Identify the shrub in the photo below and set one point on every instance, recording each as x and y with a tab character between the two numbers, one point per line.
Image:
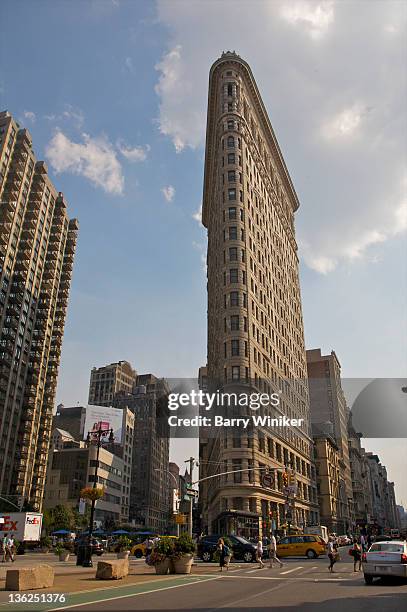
45	542
123	543
184	545
155	558
164	546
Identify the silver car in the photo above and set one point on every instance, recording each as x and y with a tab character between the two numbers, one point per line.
385	559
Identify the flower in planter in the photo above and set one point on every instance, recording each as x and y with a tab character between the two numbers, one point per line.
156	558
184	545
123	543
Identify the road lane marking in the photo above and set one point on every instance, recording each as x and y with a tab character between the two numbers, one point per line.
165	588
291	570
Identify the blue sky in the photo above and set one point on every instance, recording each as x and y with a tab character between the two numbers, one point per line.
114	94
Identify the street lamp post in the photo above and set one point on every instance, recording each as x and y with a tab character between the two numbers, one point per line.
95	435
176	484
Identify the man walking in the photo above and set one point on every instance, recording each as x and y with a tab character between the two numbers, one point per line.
273	552
10	547
3	547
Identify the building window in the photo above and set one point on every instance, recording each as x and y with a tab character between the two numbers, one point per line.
234	298
232	213
232	233
234	322
235	348
231	124
230	89
231	194
234	278
233	254
231	142
235	372
231	158
231	176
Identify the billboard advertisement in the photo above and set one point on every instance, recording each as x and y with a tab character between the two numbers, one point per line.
104	418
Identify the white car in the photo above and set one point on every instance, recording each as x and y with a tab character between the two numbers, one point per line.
385	559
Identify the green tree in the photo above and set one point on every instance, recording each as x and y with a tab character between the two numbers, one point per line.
60	517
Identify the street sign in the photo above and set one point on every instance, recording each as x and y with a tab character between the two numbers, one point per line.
191	492
181	519
267	480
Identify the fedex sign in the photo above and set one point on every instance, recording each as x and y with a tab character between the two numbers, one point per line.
25	526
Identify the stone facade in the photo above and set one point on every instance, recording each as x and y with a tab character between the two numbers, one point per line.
328	463
255	327
328	405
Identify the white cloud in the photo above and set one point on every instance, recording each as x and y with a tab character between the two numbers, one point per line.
201	247
168	193
346	122
75	115
70	114
94	158
198	215
314	17
133	154
30	116
319	98
128	63
175	84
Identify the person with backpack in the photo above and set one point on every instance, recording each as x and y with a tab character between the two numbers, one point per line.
224	554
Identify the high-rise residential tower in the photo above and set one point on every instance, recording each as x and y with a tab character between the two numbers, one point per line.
108	380
37	246
255	328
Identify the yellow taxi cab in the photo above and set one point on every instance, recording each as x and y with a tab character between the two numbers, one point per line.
139	550
304	545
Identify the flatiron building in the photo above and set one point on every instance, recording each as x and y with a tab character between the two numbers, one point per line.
255	326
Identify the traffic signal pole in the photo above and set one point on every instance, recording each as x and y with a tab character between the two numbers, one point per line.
191	462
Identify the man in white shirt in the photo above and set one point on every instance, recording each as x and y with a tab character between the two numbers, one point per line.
259	554
273	552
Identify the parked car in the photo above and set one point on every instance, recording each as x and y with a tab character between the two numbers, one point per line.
139	550
307	545
243	550
97	547
385	559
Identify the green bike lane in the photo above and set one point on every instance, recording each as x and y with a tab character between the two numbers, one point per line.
94	596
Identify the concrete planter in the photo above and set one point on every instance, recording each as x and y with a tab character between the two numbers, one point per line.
124	554
183	564
163	567
64	556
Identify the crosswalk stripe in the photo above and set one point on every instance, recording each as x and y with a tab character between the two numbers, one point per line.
294	569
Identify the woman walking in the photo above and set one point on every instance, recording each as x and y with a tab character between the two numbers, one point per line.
332	554
259	553
357	555
223	553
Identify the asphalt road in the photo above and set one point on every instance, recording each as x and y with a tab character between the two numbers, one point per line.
301	585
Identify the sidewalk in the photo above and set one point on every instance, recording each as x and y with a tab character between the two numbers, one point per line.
76	579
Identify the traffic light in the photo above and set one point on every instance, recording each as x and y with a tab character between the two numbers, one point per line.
285	478
291	479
